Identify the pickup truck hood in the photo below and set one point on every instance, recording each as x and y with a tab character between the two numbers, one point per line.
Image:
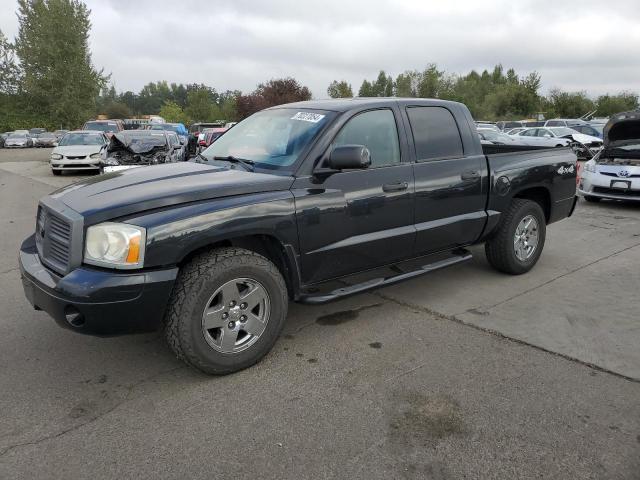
135	190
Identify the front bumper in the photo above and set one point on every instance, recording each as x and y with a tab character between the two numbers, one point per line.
606	186
96	301
75	164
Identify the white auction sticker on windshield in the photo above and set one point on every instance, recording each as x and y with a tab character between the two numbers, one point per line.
308	117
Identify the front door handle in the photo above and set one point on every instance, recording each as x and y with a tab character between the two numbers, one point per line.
395	187
470	175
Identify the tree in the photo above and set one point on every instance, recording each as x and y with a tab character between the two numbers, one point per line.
200	107
366	89
611	104
340	89
172	112
117	110
569	104
60	83
10	72
273	92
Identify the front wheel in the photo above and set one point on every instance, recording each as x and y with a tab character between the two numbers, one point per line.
56	172
226	311
591	199
518	243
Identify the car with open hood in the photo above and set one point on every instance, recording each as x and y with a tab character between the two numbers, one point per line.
78	150
614	173
139	148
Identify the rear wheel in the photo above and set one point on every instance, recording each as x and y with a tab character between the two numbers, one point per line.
226	311
589	198
518	243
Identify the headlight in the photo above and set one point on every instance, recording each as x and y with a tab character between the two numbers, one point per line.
56	156
111	161
95	155
590	167
115	245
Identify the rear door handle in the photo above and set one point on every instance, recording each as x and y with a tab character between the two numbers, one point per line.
470	175
395	187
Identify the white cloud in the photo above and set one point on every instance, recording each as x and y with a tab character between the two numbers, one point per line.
576	45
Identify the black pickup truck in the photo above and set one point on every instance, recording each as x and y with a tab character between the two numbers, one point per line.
290	204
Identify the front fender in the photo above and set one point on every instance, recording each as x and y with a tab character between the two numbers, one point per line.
174	233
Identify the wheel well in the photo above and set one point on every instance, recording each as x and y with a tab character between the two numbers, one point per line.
265	245
541	196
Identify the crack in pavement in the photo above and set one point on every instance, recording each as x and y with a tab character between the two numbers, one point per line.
561	276
496	333
91	420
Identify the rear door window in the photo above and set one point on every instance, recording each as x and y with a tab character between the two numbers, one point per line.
435	133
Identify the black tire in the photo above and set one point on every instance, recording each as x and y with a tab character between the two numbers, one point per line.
500	250
589	198
196	282
56	172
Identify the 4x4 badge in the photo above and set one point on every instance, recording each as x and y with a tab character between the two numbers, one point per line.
563	170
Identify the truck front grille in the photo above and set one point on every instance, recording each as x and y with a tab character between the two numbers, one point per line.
54	239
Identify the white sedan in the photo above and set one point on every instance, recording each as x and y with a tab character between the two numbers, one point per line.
587	145
78	150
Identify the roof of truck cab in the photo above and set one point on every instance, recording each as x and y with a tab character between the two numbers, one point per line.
345	104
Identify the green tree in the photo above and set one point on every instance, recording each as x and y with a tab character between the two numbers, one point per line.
9	70
117	110
60	83
340	89
611	104
172	112
200	107
569	104
366	89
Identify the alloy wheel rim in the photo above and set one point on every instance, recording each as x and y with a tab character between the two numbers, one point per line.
526	238
236	315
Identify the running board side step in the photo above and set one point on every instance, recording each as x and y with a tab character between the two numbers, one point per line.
459	257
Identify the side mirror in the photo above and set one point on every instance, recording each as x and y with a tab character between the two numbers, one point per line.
55	144
349	156
546	135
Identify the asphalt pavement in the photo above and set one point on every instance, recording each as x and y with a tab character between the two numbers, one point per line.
464	373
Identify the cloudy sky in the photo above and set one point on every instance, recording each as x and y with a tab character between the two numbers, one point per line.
576	45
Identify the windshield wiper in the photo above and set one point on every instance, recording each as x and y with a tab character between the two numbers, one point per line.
202	157
247	164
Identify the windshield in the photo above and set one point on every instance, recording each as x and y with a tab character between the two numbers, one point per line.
81	139
562	131
102	126
271	138
166	127
18	135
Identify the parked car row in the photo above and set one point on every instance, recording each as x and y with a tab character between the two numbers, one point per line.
585	146
36	137
94	150
591	127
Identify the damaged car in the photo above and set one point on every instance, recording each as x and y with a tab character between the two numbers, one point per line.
614	172
138	148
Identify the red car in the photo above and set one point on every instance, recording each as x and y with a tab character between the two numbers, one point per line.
208	136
